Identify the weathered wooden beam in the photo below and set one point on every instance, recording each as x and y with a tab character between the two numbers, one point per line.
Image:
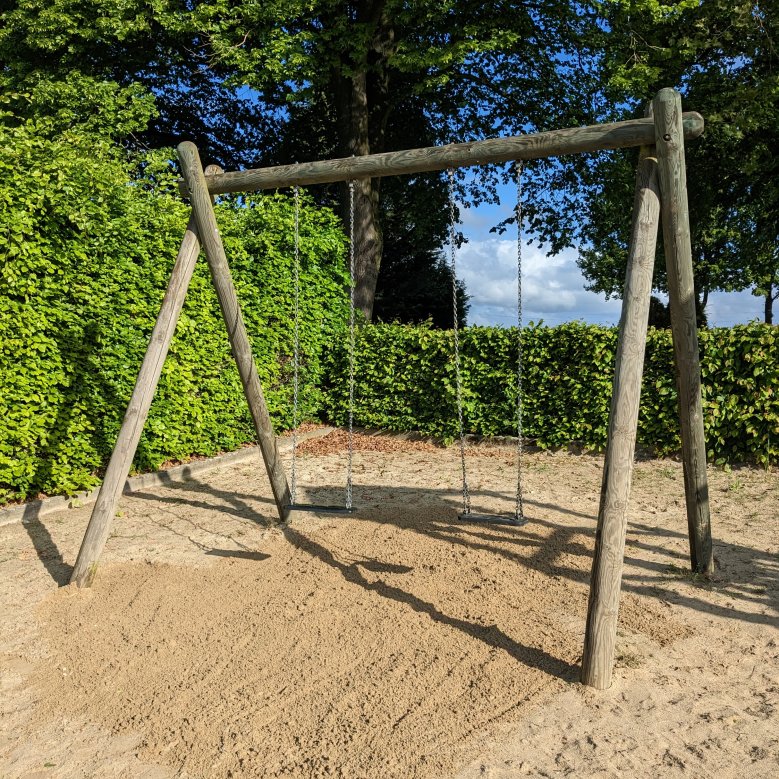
616	135
138	409
606	578
669	138
203	211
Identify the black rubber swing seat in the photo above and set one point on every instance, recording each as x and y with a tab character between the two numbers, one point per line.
319	509
493	519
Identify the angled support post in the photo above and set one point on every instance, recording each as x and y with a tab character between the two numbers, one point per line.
606	578
669	139
203	212
138	409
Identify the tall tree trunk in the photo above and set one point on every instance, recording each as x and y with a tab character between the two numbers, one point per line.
361	113
354	139
703	320
769	305
701	300
368	245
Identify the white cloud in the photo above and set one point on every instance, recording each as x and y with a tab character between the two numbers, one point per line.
730	308
552	287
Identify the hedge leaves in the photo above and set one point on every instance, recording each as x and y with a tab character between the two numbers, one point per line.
84	261
406	382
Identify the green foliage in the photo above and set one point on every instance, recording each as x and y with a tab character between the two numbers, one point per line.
722	56
275	82
84	262
88	234
405	381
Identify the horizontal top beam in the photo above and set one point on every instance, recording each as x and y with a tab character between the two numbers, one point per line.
616	135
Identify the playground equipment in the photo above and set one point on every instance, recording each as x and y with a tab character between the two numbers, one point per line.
660	186
518	519
318	508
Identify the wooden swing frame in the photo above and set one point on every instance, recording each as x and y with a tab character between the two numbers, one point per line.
660	188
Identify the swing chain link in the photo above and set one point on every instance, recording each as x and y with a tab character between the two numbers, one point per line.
456	335
296	342
296	346
519	509
350	456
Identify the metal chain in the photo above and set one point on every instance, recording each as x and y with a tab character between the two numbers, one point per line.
296	347
519	509
456	334
351	349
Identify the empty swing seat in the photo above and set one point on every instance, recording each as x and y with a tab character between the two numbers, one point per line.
320	509
494	519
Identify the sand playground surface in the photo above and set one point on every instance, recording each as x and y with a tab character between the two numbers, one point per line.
397	642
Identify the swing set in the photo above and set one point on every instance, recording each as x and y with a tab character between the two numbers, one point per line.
660	188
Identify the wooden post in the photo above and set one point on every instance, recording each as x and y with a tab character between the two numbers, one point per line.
132	426
669	140
606	578
203	211
572	140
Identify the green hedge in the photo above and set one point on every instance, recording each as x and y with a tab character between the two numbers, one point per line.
405	381
84	261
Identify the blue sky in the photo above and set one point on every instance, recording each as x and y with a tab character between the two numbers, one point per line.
553	287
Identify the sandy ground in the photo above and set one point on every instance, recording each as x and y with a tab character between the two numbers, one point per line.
397	642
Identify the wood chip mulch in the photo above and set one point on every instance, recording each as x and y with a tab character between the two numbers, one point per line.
338	441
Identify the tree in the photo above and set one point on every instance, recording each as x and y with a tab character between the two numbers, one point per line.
241	78
723	57
474	68
150	45
415	284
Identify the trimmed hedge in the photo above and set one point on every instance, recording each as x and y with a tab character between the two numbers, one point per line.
405	381
84	262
